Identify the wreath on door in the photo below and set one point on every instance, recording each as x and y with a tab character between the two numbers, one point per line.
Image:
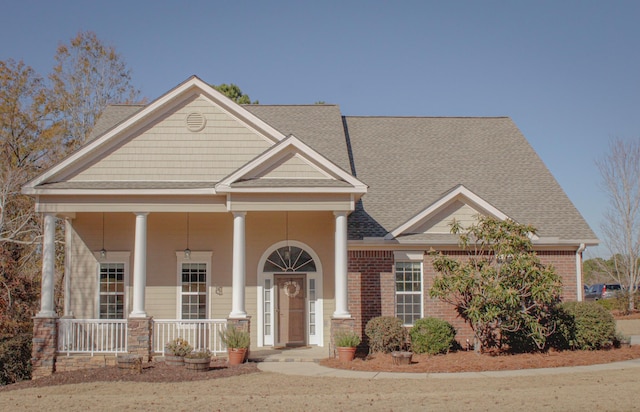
291	288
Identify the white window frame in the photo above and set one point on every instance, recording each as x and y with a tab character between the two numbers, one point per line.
195	257
113	258
408	257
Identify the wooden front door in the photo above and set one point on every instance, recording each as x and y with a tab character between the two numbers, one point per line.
290	310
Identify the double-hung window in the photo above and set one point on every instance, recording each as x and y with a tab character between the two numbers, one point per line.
193	285
113	279
408	282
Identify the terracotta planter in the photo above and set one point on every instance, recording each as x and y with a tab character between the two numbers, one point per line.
236	355
346	354
174	360
401	357
197	364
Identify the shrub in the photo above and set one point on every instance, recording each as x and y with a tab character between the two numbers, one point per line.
15	358
585	325
386	334
235	338
179	347
346	339
432	336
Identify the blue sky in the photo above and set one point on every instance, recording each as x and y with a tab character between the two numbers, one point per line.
567	72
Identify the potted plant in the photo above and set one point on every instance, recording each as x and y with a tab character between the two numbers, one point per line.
198	361
237	343
175	351
346	343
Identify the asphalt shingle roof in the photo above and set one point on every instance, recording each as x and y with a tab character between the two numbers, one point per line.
411	162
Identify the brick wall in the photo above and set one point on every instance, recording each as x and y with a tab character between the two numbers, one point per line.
45	345
371	287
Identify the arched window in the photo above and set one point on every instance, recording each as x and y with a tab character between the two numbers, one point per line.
289	259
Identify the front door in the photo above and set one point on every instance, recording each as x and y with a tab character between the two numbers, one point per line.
290	310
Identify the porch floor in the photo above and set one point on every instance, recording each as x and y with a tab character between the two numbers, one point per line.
302	354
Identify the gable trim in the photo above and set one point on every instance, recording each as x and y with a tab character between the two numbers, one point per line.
279	151
458	192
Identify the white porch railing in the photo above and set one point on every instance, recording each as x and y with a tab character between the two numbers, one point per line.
92	336
201	334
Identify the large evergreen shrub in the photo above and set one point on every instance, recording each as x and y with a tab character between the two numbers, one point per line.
584	325
432	336
386	334
15	358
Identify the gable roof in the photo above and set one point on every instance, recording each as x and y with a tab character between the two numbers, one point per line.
410	164
116	133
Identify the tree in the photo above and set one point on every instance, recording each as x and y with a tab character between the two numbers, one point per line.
620	172
28	143
234	93
500	288
88	76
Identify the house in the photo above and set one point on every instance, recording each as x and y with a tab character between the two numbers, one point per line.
192	212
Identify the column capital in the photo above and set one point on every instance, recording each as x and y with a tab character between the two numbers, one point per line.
239	214
141	213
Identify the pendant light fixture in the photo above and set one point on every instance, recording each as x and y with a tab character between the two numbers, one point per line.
187	251
103	251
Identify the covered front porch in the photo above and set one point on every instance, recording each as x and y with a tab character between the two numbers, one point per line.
108	311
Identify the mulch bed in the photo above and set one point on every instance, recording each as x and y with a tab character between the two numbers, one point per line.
152	372
468	361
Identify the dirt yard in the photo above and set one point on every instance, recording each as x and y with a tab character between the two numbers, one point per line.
244	388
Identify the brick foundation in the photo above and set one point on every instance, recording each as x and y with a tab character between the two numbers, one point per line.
45	345
75	362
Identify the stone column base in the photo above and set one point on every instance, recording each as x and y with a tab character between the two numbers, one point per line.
139	340
45	346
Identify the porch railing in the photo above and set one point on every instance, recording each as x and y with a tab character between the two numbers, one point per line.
92	336
201	334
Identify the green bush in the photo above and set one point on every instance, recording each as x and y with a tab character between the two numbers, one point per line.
386	334
346	339
432	336
585	326
15	358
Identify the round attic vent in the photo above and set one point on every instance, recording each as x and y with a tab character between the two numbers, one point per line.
195	122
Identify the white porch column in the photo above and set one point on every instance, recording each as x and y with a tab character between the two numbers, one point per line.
140	266
239	266
342	309
48	268
68	236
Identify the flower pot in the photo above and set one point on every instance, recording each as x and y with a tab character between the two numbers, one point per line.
346	354
197	364
236	355
401	357
130	362
173	360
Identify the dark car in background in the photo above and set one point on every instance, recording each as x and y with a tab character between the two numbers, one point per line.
602	291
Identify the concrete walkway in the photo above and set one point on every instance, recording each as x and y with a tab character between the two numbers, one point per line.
304	362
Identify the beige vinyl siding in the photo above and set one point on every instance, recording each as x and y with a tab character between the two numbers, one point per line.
168	151
295	167
161	301
87	238
441	221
